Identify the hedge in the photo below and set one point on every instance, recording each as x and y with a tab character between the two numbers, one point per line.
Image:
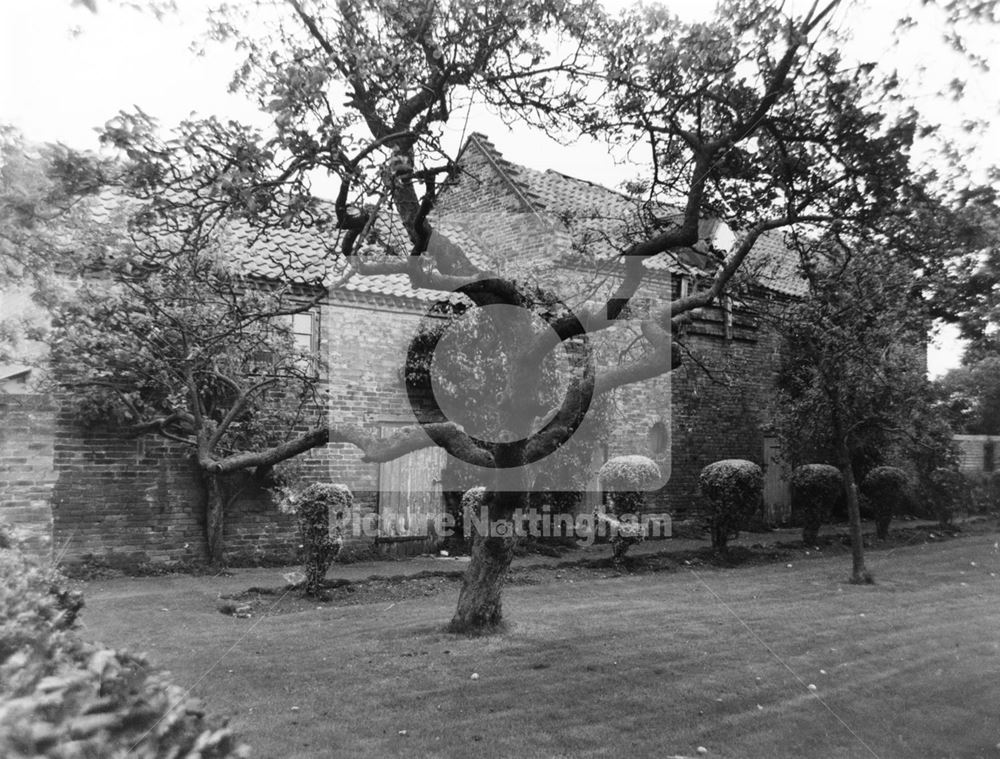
64	698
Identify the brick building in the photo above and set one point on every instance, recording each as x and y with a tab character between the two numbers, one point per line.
89	492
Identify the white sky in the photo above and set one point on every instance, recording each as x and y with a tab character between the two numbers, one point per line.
57	84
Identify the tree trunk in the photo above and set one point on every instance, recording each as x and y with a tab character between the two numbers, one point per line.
859	573
479	610
810	534
720	537
215	509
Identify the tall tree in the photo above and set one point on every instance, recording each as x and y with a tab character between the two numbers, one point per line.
853	375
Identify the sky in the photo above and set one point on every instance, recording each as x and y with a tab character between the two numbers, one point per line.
64	71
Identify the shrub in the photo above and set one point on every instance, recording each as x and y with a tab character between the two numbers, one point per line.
885	488
626	478
947	490
320	543
733	488
61	697
456	479
815	489
473	501
984	491
474	498
628	473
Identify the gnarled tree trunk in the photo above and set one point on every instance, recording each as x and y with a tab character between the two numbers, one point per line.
480	609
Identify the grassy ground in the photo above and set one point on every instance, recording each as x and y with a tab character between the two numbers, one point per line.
653	664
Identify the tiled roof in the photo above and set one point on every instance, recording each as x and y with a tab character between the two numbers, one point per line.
776	266
773	264
303	256
606	209
309	256
561	193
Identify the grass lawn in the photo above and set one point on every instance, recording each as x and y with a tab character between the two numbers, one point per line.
648	665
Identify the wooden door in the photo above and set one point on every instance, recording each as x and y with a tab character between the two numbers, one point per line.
409	499
777	497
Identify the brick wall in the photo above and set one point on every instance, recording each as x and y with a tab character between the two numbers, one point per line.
27	471
98	493
720	415
142	499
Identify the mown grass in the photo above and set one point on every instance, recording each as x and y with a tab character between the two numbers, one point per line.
653	664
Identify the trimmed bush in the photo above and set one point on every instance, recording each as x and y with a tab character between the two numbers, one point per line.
321	542
626	479
63	698
734	488
473	500
885	488
815	490
628	473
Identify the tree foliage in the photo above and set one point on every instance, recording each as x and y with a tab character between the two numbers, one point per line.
970	396
42	189
852	382
65	697
855	349
190	349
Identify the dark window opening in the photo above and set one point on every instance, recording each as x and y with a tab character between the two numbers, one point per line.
657	438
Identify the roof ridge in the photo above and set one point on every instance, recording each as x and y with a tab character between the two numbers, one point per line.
598	185
510	172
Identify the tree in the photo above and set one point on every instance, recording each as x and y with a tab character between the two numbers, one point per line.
752	118
41	192
852	378
970	395
188	348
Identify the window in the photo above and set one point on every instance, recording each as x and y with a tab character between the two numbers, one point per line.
304	332
657	439
989	456
305	340
303	329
